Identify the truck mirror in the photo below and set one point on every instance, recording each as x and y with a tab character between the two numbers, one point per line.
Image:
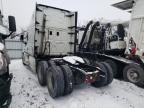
12	23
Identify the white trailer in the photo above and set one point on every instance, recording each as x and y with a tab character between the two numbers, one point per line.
136	25
136	30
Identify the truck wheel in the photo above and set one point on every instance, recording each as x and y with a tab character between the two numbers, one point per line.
134	74
68	78
55	82
113	65
41	72
103	76
109	73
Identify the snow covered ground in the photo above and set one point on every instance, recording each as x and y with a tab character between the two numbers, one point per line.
27	93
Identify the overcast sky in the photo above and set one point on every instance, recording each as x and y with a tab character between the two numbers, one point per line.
87	9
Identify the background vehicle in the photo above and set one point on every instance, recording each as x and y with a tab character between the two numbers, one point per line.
98	45
135	48
5	77
112	48
49	47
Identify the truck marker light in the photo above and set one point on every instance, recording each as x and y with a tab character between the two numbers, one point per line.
132	51
143	54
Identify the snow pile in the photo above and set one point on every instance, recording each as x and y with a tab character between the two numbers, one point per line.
27	93
73	59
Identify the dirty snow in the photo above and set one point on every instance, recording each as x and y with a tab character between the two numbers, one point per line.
27	93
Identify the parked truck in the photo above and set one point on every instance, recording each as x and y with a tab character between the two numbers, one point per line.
125	56
50	45
5	77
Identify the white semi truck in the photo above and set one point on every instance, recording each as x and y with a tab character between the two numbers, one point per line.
50	44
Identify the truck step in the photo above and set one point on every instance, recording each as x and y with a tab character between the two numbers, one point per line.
70	52
72	27
37	9
70	15
37	22
71	33
71	43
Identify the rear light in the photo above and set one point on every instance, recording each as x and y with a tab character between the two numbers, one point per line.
1	61
132	46
143	54
132	51
89	79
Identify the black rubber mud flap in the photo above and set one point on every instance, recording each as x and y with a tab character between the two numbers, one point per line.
113	65
103	76
55	82
23	59
109	73
134	73
5	95
68	78
42	68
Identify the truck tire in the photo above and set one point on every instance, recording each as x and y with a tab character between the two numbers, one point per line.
109	73
103	80
55	82
113	65
68	78
41	72
134	73
23	59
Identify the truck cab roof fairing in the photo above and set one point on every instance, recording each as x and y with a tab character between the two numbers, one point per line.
124	5
52	7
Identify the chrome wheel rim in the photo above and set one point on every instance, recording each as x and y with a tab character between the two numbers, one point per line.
133	76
